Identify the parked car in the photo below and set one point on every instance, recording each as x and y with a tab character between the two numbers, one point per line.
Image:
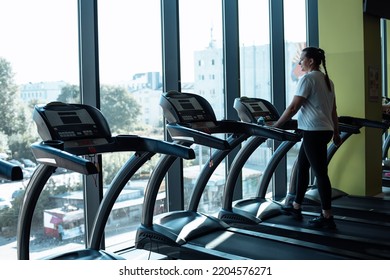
16	162
28	163
4	203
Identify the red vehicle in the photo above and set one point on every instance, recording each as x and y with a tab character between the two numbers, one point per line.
64	223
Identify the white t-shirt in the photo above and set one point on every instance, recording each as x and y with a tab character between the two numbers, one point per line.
316	111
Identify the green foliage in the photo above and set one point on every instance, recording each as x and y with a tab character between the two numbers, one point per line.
113	162
20	144
9	216
111	165
12	118
17	131
3	143
70	94
120	108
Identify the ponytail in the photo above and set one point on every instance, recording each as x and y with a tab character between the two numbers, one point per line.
327	80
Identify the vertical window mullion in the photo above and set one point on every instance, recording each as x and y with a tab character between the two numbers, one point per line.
89	83
278	84
171	81
231	64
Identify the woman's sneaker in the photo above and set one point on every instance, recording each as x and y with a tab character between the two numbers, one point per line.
322	222
290	210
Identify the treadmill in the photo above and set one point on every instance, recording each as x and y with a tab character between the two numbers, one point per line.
385	151
71	133
264	215
10	171
385	162
189	234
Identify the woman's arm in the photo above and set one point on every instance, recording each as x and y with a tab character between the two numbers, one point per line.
336	132
290	111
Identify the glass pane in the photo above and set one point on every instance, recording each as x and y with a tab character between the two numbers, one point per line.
130	77
295	41
255	75
39	64
201	57
254	48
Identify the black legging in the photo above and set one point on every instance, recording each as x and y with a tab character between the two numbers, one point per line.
313	153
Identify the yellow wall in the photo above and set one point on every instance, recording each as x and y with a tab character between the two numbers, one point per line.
350	51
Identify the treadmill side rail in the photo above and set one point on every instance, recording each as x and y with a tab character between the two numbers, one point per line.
10	171
48	155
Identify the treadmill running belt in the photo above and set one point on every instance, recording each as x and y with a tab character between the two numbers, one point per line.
258	248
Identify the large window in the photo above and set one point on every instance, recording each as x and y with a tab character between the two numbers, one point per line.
201	57
39	64
255	78
295	41
254	48
130	89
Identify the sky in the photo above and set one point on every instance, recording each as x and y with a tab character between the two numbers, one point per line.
39	37
38	43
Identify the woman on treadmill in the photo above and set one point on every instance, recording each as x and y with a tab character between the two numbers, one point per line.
315	103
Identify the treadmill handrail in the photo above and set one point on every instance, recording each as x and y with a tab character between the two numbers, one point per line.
273	163
126	172
385	147
208	169
361	122
33	190
348	128
48	155
134	143
202	133
157	176
138	143
263	131
238	127
236	168
10	171
184	133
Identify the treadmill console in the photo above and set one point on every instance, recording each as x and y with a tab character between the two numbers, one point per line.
256	110
186	108
73	124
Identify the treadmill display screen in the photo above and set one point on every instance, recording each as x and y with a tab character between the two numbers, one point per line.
62	118
259	109
77	124
186	104
70	123
69	118
189	109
